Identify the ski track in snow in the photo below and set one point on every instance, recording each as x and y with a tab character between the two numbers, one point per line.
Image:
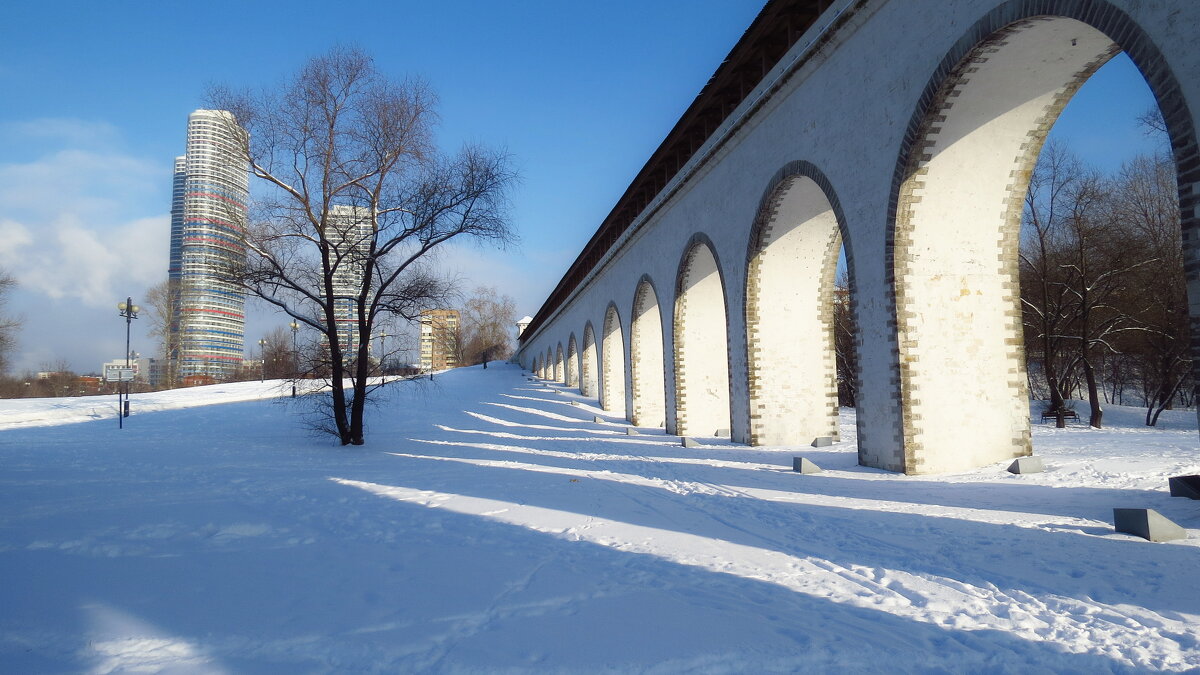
491	525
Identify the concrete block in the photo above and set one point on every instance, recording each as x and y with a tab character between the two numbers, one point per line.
722	433
598	419
630	431
574	402
1185	486
802	465
689	442
1148	524
822	441
1026	465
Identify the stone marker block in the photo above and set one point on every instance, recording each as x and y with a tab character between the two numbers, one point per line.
1026	465
802	465
630	431
598	419
1147	524
689	442
822	441
1185	486
722	433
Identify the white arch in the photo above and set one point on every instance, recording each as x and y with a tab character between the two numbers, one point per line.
646	358
572	362
792	262
701	345
956	234
559	366
589	373
612	363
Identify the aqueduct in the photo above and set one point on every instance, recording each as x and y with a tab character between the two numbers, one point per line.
904	132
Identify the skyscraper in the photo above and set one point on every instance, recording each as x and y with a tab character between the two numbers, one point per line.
208	220
351	239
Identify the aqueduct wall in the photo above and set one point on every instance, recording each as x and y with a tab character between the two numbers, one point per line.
905	131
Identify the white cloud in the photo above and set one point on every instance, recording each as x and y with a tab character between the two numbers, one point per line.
14	238
83	221
67	131
84	224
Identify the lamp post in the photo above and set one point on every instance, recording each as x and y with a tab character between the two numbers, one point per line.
295	355
383	356
262	359
128	311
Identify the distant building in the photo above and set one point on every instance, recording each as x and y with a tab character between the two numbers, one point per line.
351	238
210	188
439	339
145	370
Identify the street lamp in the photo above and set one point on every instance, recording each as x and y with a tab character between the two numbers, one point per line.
128	311
295	355
262	359
383	356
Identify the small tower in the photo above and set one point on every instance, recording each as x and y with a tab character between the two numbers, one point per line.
523	324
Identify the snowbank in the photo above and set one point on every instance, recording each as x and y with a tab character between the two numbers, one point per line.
491	526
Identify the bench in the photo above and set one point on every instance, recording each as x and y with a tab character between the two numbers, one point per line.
1067	415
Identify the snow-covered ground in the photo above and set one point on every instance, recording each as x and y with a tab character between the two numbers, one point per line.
491	526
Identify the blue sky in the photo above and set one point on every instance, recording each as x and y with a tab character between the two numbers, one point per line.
96	97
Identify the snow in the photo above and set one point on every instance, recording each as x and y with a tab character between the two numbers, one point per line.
491	526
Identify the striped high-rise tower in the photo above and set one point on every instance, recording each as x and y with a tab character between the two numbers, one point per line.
208	220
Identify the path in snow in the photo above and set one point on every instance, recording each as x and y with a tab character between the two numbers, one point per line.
492	525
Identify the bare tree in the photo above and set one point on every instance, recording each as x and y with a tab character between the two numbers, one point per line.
279	361
845	338
161	301
1144	202
1044	296
486	327
353	196
8	324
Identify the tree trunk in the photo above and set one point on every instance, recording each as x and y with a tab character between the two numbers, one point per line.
362	367
1097	417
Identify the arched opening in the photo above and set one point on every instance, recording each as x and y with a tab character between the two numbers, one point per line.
701	345
959	194
790	301
588	372
612	392
646	358
559	365
572	362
